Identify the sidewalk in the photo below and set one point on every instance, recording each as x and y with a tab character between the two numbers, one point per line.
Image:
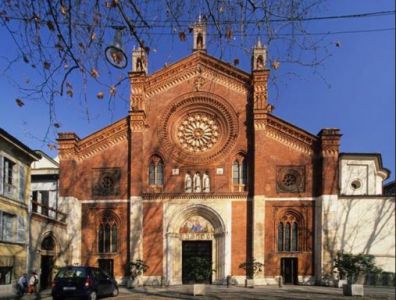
215	292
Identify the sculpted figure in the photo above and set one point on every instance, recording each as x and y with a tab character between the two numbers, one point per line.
206	182
197	183
188	183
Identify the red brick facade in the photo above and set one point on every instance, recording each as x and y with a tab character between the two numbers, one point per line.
286	166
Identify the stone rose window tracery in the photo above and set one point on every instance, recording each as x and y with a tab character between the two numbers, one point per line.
198	132
290	179
106	182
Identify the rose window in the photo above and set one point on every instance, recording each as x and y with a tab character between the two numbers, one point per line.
198	132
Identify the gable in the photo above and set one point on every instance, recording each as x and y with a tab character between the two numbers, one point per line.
201	68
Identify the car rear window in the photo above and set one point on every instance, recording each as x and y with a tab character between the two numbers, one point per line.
72	273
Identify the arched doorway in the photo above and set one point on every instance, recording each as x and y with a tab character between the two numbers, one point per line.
48	254
195	235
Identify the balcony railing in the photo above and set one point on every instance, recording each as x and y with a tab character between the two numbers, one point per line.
48	212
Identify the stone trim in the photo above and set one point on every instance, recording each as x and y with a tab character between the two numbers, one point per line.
197	65
96	142
202	196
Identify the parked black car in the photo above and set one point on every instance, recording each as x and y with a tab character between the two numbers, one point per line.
83	282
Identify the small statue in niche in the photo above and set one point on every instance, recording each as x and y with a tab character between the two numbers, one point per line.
199	41
188	183
139	64
206	182
260	62
197	183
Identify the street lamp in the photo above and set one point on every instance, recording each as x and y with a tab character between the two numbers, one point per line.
114	53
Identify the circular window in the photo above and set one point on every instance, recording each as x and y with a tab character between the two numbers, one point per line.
289	179
198	128
356	184
198	132
107	182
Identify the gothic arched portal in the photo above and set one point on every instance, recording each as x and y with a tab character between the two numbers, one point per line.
193	224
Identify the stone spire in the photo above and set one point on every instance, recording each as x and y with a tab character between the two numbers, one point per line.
199	32
259	57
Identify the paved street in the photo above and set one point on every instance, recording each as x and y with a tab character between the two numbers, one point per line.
240	293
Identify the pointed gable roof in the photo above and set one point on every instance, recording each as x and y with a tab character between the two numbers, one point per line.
198	64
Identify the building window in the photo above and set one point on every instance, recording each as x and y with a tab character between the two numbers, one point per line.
107	235
40	202
12	228
8	225
5	275
280	237
288	234
106	182
12	179
156	171
9	178
290	179
239	174
356	184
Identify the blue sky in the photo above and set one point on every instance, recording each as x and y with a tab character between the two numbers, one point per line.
354	89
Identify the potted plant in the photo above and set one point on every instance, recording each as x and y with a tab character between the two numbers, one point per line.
252	268
354	267
199	271
136	269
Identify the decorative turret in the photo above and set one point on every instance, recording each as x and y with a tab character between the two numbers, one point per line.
199	31
260	81
139	60
259	57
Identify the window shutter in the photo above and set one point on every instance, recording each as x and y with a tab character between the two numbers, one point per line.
22	184
21	229
1	175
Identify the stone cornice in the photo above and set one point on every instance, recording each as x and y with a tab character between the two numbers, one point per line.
98	141
203	196
286	133
198	65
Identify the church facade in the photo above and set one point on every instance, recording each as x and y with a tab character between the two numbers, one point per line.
201	167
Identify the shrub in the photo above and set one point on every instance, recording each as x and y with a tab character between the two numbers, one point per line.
353	267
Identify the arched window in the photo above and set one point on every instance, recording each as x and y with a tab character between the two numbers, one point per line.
199	41
114	238
48	243
156	171
235	172
294	237
239	174
101	239
107	235
159	174
260	62
288	234
152	174
287	237
280	237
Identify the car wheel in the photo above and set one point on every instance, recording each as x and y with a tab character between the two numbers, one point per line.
115	292
92	296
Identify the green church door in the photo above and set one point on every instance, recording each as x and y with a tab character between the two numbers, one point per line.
196	262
